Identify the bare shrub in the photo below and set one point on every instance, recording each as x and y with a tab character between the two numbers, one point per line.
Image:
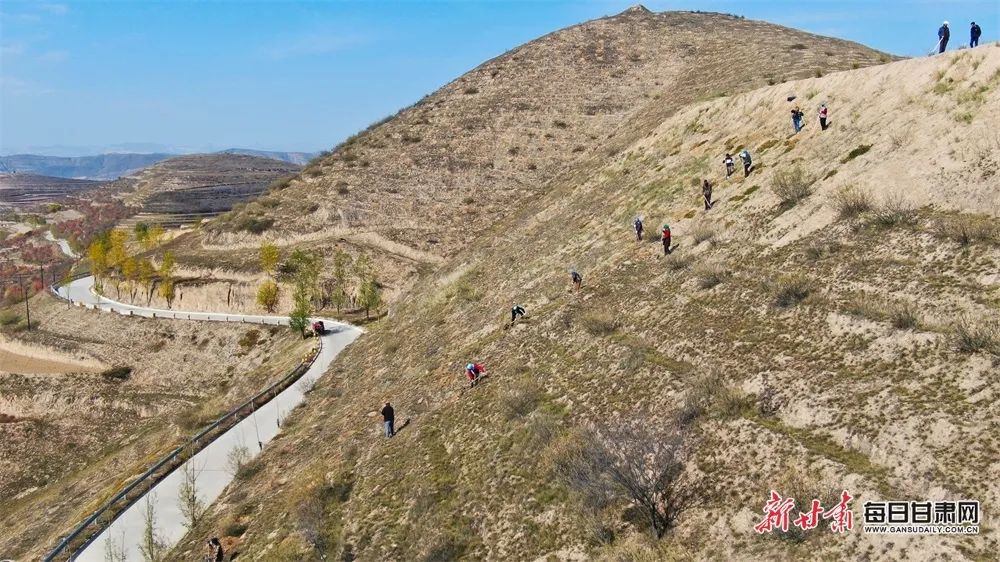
769	401
973	334
894	211
803	487
966	229
152	545
851	201
792	186
237	458
629	463
306	384
677	262
702	233
521	400
189	499
903	315
710	275
790	290
599	323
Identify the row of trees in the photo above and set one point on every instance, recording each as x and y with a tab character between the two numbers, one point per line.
111	258
311	289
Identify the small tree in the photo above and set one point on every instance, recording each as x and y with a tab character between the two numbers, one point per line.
141	231
341	261
146	273
191	504
130	271
370	296
633	464
118	251
298	320
270	255
237	458
114	550
155	236
153	547
268	295
167	278
98	259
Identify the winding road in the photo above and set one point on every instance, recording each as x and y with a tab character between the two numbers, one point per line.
211	462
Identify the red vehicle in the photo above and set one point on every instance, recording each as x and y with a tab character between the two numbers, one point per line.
318	328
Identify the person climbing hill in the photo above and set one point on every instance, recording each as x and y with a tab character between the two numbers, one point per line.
665	237
706	193
516	311
975	32
823	113
388	420
943	35
215	550
576	279
747	162
474	371
730	167
637	225
797	119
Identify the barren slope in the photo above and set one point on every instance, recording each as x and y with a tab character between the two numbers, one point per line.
809	347
419	186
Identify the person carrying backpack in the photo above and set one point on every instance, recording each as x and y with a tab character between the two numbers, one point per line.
637	225
823	113
797	119
665	237
215	551
706	193
388	420
730	167
516	312
943	35
747	162
576	278
473	371
975	32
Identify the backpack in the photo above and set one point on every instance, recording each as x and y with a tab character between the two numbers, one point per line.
745	156
637	223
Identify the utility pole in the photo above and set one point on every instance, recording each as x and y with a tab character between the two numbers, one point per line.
27	308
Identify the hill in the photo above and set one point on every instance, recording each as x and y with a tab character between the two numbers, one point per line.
186	189
23	190
98	167
299	158
830	324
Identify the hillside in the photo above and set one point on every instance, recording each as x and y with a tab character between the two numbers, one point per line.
97	167
832	323
190	188
23	190
299	158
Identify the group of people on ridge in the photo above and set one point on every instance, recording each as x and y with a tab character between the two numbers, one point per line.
944	34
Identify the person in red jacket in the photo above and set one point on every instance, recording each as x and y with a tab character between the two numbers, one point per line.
473	371
665	236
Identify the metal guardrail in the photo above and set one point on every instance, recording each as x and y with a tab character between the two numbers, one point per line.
151	475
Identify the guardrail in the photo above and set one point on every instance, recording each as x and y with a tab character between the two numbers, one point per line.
170	461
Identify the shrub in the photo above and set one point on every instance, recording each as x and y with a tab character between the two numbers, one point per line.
792	186
903	315
471	90
119	373
851	202
599	323
710	275
677	262
855	152
790	290
975	334
702	232
894	211
521	400
255	225
966	229
9	318
250	339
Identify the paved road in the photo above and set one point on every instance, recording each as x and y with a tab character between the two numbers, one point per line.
63	245
211	462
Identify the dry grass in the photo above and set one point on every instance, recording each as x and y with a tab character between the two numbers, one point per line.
599	323
851	202
678	262
790	290
703	232
974	334
711	274
902	315
894	211
792	186
967	229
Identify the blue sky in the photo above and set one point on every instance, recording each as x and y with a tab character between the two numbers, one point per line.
291	75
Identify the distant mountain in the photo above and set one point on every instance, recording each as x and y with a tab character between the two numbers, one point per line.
291	157
99	167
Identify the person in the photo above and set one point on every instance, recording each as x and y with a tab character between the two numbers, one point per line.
389	420
974	33
823	113
943	35
730	167
215	551
577	279
637	224
516	312
665	237
706	192
747	162
473	371
797	119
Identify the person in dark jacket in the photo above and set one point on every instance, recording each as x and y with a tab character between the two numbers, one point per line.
576	278
637	225
747	162
706	193
516	312
215	552
823	114
797	119
730	167
943	35
974	33
388	420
